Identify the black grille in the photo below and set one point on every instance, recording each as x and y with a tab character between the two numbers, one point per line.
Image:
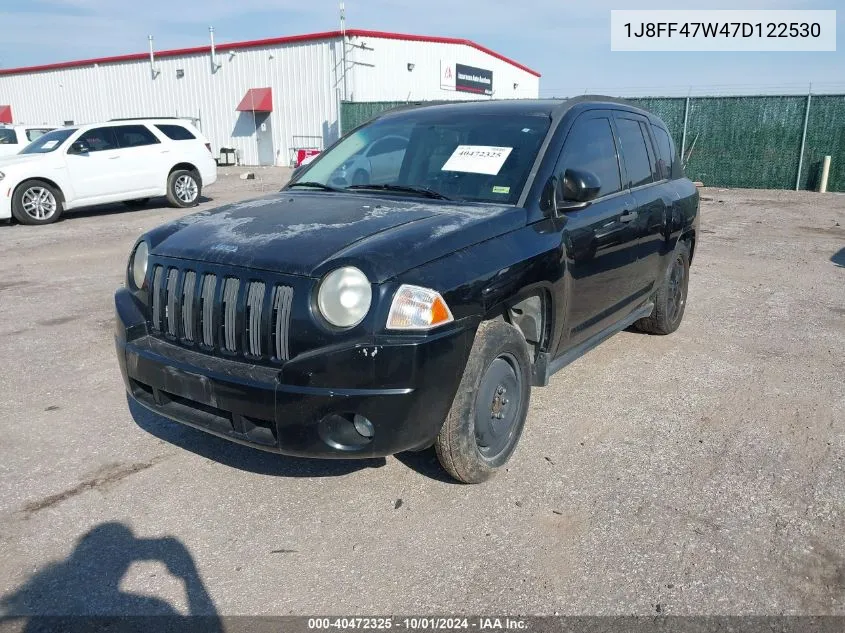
234	316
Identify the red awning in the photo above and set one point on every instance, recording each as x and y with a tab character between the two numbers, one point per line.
5	114
257	100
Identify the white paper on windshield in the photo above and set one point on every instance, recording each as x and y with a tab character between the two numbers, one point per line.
477	159
50	144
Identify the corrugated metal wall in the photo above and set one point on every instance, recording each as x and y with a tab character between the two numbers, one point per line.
734	141
301	75
306	78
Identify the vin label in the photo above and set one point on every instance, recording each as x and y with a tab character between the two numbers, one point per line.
723	30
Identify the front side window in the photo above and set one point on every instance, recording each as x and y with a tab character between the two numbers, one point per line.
472	157
34	133
8	137
635	152
49	142
590	147
134	136
99	139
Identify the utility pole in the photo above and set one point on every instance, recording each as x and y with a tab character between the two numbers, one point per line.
343	41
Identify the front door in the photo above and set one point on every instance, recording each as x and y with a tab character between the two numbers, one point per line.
264	139
99	171
599	239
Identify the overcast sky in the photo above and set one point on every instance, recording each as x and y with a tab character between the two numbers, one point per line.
566	40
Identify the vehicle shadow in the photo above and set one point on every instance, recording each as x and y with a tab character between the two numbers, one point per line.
83	592
114	208
426	463
243	457
838	258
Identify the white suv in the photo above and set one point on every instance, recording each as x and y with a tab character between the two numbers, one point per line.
13	138
126	161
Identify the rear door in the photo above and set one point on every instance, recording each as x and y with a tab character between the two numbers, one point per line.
654	198
9	144
142	160
98	172
598	239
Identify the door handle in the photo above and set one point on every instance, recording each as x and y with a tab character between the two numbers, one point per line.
113	157
628	216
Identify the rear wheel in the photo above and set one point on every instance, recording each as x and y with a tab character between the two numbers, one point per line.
488	414
36	202
670	301
183	188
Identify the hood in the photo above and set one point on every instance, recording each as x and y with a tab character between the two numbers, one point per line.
14	159
305	233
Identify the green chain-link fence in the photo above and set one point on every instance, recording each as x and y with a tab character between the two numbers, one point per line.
752	141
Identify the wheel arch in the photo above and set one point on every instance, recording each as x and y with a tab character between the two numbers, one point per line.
187	167
46	181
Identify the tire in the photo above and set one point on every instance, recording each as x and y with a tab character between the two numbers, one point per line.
473	443
670	300
36	202
138	203
361	177
183	188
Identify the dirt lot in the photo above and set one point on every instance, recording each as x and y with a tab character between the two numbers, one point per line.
703	472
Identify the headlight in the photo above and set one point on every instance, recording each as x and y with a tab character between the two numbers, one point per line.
138	263
416	308
344	297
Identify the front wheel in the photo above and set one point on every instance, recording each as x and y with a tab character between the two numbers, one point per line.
183	188
488	414
36	202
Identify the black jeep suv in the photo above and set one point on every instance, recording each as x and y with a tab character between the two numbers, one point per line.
411	285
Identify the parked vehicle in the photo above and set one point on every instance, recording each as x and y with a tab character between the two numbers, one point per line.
377	318
117	161
13	138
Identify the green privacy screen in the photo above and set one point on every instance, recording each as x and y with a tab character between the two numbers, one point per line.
750	141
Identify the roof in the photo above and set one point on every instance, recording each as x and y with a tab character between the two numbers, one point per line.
548	107
292	39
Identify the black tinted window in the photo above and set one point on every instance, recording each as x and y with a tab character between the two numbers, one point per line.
652	157
385	146
664	146
176	132
7	137
99	139
590	147
134	136
635	152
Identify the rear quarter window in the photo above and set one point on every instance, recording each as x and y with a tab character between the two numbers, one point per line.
176	132
666	150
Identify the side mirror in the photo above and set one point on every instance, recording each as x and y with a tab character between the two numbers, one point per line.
79	147
579	188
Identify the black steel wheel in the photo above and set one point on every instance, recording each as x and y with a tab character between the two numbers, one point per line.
484	425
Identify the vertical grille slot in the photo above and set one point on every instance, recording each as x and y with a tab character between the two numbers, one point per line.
282	297
229	312
170	308
207	309
188	288
158	274
254	305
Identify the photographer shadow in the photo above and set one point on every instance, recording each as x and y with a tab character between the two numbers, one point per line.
83	593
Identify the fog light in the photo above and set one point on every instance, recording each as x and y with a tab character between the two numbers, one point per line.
363	426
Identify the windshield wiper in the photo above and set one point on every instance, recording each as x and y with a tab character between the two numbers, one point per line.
315	185
425	191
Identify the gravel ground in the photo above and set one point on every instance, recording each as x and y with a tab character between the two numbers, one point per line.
699	473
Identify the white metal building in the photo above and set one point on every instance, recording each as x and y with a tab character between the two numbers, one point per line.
265	98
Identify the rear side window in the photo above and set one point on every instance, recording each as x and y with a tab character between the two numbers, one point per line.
7	137
176	132
134	136
664	146
635	152
590	147
34	133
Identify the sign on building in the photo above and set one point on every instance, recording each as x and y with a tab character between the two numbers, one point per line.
465	78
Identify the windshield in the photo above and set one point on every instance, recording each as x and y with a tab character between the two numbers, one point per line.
48	142
474	157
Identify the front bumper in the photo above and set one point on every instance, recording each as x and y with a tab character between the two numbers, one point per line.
403	385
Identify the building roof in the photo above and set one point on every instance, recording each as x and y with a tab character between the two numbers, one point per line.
275	41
